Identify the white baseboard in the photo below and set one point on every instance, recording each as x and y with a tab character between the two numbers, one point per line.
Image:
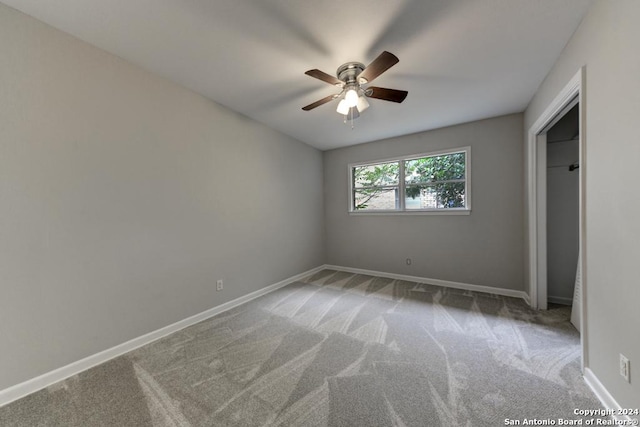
444	283
30	386
605	397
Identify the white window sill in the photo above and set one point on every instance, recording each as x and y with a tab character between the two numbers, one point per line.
430	212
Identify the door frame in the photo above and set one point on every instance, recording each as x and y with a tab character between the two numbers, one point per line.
536	175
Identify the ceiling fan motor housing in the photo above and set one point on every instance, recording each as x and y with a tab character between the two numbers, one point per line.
349	72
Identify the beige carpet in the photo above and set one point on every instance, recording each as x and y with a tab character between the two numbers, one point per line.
337	349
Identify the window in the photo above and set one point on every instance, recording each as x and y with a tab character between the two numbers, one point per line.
423	183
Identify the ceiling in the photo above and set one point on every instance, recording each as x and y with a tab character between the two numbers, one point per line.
460	60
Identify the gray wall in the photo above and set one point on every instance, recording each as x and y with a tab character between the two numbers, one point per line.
483	248
562	220
123	197
607	43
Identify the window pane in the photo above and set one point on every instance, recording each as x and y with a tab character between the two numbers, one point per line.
376	175
435	196
375	199
436	168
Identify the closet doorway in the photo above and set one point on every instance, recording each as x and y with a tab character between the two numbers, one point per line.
563	207
537	200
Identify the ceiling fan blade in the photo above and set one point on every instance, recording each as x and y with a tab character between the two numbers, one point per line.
392	95
319	102
321	75
382	63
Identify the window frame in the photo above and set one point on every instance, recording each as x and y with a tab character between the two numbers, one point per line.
402	210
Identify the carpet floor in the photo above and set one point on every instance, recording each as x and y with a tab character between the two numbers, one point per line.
336	349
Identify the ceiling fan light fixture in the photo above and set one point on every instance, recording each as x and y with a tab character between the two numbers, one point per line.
362	104
351	97
343	107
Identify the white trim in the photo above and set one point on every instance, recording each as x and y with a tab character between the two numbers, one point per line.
444	283
17	391
604	396
402	200
537	254
449	211
582	216
454	150
541	221
551	113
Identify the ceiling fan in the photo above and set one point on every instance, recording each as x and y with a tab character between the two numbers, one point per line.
352	78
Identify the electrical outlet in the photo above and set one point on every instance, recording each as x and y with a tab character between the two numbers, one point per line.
219	285
625	366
